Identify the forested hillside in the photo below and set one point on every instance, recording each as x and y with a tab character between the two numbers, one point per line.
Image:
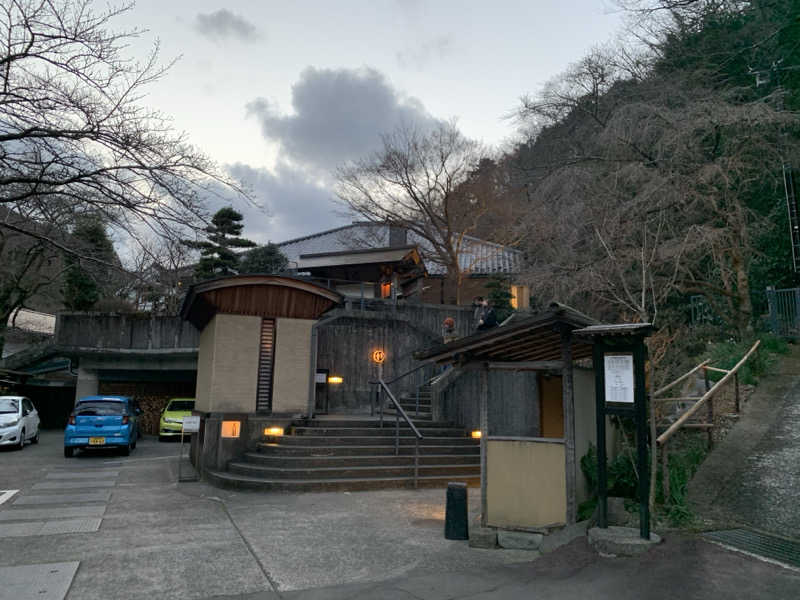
654	170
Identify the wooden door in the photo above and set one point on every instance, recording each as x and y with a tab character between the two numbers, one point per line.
551	407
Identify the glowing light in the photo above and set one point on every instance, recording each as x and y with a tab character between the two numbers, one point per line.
230	429
476	434
378	356
273	431
335	379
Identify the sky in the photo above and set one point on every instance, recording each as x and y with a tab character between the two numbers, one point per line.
283	93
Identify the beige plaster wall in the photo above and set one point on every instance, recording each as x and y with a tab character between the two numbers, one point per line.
526	483
227	364
586	427
292	365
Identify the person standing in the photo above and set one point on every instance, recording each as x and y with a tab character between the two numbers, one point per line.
488	318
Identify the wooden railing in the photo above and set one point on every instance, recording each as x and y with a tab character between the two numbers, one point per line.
706	399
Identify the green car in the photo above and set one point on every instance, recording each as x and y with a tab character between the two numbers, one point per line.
172	417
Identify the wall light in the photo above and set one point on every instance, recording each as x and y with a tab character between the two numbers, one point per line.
335	379
230	429
476	434
273	431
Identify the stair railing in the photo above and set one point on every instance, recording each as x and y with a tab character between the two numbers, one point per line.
422	376
399	412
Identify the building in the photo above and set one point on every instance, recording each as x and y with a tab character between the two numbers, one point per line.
372	260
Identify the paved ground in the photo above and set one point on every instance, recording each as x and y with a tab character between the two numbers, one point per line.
753	477
126	529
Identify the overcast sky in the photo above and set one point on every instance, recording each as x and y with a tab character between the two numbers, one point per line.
283	92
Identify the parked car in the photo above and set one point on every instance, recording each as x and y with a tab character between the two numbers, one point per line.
19	421
102	422
171	422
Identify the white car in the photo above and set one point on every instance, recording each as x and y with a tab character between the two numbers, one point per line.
19	421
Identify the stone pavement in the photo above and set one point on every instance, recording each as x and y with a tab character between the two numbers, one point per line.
753	477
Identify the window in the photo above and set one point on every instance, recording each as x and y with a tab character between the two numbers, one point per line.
520	297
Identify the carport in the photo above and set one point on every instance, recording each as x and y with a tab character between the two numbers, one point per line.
531	482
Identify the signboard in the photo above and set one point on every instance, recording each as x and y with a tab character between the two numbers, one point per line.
619	378
378	356
191	424
320	377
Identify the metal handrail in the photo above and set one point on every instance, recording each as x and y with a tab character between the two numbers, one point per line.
407	373
400	412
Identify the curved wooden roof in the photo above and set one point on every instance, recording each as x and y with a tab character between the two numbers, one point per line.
258	295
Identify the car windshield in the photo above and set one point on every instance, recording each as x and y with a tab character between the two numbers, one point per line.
181	405
9	405
100	408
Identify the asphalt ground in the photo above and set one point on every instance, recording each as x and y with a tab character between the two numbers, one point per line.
132	531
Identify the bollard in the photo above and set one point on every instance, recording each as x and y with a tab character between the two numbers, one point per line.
455	518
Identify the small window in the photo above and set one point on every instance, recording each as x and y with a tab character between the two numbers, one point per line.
27	405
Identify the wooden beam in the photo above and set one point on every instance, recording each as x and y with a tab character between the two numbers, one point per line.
484	407
687	415
672	384
528	365
707	368
568	401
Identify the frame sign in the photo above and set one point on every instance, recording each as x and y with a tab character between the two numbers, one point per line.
619	378
191	424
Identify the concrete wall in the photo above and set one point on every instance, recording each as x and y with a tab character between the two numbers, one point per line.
513	402
526	484
205	367
292	365
133	331
234	348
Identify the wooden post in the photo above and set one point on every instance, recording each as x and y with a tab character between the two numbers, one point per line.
600	417
710	420
665	472
484	434
640	394
568	401
736	392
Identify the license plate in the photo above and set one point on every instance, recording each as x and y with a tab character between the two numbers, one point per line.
97	441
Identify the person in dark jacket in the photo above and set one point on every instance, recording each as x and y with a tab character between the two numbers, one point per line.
488	319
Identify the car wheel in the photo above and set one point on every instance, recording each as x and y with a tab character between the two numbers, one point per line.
126	450
35	439
68	452
21	440
133	445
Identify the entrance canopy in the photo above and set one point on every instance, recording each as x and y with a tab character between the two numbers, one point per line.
257	295
533	343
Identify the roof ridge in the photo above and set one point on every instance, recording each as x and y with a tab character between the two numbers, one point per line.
327	231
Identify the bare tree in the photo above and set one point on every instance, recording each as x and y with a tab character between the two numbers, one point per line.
74	135
420	181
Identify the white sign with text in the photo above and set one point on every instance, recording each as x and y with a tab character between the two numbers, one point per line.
619	378
191	424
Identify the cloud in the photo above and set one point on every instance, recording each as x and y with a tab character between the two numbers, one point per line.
223	25
295	205
420	56
338	115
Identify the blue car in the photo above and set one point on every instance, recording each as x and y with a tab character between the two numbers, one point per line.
102	422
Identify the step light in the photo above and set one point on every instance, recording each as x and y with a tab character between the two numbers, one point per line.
476	434
273	431
335	379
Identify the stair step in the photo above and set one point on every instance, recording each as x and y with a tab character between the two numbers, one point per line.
357	472
234	481
388	429
363	450
366	422
294	461
373	440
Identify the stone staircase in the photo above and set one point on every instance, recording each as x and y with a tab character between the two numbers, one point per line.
341	453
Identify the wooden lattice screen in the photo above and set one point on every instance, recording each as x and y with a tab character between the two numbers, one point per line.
266	363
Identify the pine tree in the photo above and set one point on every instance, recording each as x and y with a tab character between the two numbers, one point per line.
83	278
217	255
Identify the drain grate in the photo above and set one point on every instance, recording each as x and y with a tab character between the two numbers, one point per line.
761	544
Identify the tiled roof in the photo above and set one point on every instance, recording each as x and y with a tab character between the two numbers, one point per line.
477	256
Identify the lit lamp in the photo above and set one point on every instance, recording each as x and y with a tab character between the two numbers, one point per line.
335	379
476	434
230	429
273	431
